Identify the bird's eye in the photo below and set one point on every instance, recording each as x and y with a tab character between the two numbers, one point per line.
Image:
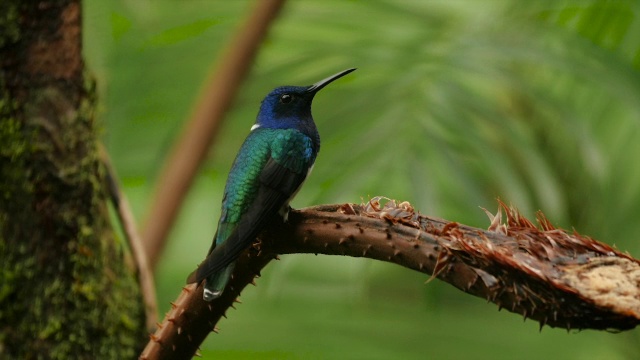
285	98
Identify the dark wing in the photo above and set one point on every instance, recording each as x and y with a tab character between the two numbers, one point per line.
277	185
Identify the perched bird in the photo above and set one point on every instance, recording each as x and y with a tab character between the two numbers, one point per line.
272	164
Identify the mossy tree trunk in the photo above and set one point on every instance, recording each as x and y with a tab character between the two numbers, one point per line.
67	289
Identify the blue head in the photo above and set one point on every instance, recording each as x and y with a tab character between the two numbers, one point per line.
289	107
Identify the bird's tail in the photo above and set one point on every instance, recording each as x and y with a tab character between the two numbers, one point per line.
216	283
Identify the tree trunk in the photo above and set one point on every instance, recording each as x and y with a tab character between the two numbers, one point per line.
67	288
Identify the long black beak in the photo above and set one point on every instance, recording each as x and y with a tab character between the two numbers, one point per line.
324	82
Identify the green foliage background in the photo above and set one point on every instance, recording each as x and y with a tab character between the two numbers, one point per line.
454	103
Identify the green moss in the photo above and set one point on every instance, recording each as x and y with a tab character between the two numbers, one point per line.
9	29
12	161
7	277
10	133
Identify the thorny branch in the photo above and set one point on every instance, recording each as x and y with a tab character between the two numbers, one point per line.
557	278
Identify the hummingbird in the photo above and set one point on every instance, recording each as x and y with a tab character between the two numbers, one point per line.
273	162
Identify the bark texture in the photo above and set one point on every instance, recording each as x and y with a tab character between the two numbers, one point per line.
67	290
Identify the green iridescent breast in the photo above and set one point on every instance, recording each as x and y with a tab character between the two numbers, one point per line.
289	147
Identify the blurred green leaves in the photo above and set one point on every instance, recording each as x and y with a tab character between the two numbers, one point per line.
454	103
181	33
485	100
120	25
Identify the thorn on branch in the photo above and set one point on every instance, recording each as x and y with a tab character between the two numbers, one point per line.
448	227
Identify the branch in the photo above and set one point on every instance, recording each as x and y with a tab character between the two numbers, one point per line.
199	132
132	236
557	278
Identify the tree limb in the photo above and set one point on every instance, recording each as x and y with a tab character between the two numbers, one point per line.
557	278
132	236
